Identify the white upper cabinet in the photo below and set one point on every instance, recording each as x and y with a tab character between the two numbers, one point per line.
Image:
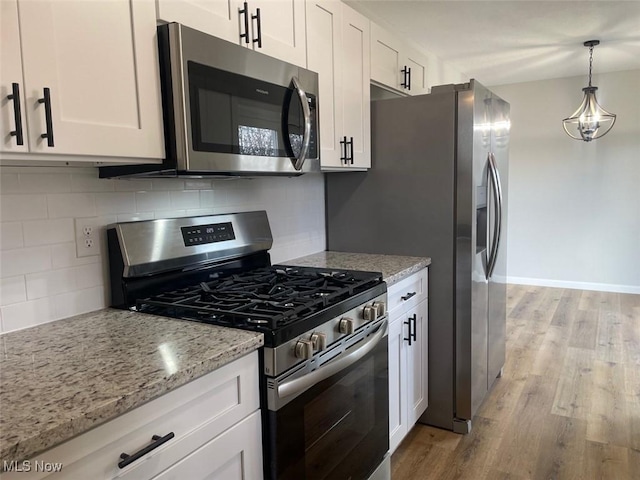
396	65
91	84
338	50
273	27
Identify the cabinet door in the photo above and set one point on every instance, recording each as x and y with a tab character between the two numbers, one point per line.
220	18
417	364
418	65
282	29
99	60
10	73
398	426
385	57
324	53
234	455
356	72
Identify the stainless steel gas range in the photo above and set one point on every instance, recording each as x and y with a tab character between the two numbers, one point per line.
324	385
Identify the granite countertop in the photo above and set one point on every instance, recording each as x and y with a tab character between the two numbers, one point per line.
393	267
60	379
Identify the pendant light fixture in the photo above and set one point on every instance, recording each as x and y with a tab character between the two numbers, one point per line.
590	121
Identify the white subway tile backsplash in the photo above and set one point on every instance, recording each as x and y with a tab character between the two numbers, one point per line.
45	182
80	301
41	277
151	201
134	217
71	205
22	207
11	236
132	185
197	184
91	183
171	213
27	314
47	232
50	283
9	183
24	260
116	202
185	199
64	255
166	184
207	198
89	276
12	290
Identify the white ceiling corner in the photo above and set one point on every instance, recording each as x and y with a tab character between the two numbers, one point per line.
500	42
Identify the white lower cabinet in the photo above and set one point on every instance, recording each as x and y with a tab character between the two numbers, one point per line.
408	355
212	425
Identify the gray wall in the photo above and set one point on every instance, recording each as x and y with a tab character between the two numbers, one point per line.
574	212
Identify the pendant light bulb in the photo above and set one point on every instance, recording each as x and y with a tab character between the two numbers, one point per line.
590	120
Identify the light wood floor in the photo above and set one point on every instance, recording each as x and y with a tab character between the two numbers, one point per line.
567	406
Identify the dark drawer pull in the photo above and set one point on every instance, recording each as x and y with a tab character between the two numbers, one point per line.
157	441
408	296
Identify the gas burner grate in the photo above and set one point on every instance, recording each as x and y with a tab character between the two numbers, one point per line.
263	299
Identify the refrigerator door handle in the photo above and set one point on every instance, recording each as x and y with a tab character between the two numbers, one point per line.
497	202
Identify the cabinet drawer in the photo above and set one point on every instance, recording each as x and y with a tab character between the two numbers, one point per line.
234	455
195	413
409	291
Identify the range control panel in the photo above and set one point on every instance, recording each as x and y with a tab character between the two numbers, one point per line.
203	234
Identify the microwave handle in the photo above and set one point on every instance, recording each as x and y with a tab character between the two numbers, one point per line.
306	111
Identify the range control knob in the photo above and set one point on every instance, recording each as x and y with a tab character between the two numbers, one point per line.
382	308
370	312
346	325
319	340
303	349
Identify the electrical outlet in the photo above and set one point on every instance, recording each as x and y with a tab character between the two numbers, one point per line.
87	237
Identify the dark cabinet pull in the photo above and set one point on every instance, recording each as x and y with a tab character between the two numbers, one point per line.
343	150
157	441
17	113
406	77
350	150
407	296
245	12
413	320
47	115
259	23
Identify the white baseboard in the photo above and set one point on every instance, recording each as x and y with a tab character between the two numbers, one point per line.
601	287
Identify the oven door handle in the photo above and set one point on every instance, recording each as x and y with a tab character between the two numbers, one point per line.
300	384
306	111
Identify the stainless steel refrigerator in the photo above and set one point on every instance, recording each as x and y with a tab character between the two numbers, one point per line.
438	188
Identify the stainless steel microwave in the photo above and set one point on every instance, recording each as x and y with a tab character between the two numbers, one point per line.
231	111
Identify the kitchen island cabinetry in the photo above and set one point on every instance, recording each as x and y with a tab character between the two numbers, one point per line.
208	427
396	65
338	49
408	354
273	27
87	78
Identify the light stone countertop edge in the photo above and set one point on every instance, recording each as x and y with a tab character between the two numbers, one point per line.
34	419
394	268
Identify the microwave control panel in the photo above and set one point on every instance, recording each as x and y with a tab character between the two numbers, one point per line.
203	234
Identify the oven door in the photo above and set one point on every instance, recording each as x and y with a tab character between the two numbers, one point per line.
338	427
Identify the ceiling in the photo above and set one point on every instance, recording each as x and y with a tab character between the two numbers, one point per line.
500	42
